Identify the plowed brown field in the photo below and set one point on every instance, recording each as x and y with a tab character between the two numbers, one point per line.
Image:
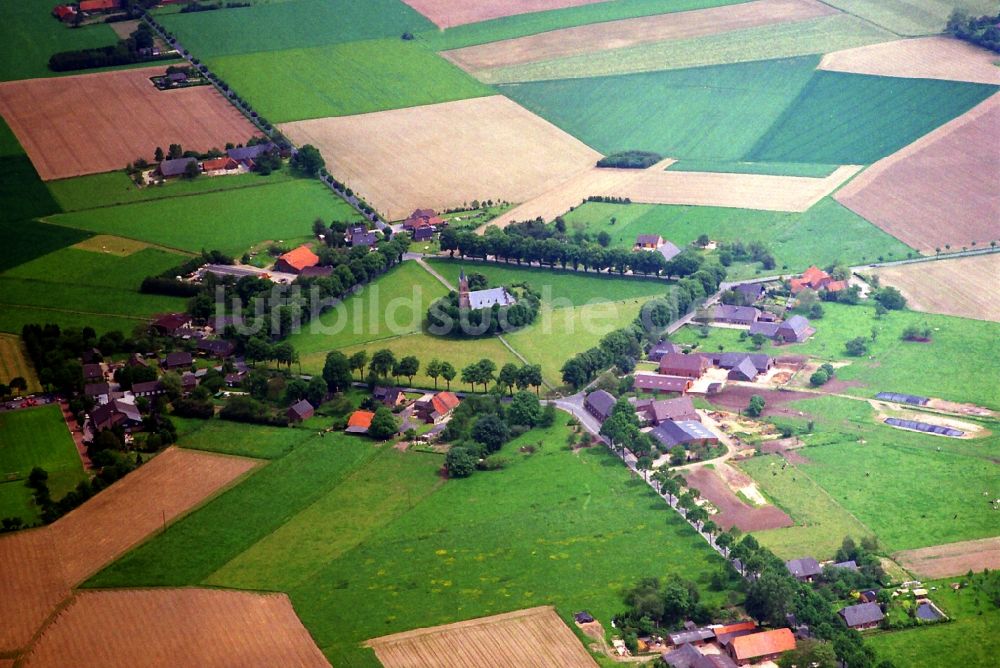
448	13
93	123
732	511
532	638
41	565
631	32
942	561
951	287
942	189
922	58
175	627
443	155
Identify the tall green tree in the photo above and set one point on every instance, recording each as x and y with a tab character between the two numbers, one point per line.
358	361
525	409
448	372
433	370
337	371
382	362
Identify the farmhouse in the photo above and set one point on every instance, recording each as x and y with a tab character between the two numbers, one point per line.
189	381
177	360
359	422
816	279
151	388
174	167
688	366
168	324
760	647
648	241
691	636
300	410
751	292
846	565
654	382
99	5
99	392
794	330
294	261
218	348
804	570
93	373
424	218
600	404
862	616
683	432
115	413
656	412
360	236
220	165
763	363
436	408
481	299
425	233
245	155
734	315
390	397
661	348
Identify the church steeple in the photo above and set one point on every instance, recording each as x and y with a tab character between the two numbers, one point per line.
463	289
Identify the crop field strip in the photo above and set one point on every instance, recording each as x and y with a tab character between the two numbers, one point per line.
921	58
45	116
936	178
912	17
14	362
450	13
952	559
950	287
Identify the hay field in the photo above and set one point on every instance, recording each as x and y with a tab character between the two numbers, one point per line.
741	191
449	13
936	191
601	37
952	559
76	125
444	155
922	58
533	637
950	287
179	627
15	363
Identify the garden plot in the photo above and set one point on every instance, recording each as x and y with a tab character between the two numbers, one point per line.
922	58
952	559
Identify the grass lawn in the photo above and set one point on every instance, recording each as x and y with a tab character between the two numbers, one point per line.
783	40
707	113
827	233
345	79
772	168
856	119
99	190
913	17
14	362
229	221
234	438
294	24
969	639
820	522
29	438
428	553
533	23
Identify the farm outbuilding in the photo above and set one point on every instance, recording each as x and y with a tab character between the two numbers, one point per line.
299	411
679	364
862	616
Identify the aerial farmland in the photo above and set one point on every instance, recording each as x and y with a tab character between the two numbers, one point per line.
451	333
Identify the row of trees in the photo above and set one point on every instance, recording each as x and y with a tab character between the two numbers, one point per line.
982	31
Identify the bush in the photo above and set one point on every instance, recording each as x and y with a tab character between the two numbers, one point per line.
460	462
820	377
857	347
630	160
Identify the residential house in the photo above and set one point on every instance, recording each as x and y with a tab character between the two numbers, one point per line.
217	348
361	236
175	167
246	155
678	364
294	261
189	381
805	569
424	219
300	410
99	5
91	356
656	412
168	324
93	373
115	413
714	661
359	422
316	272
436	408
654	382
683	432
100	393
648	241
661	348
760	647
600	404
177	360
425	233
750	292
744	371
151	388
816	279
235	379
734	315
177	77
220	165
135	360
391	397
862	616
64	12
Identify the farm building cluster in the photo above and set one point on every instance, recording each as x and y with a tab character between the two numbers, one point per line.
239	160
726	645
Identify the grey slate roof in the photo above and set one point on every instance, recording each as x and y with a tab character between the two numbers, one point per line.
660	410
662	348
768	329
176	166
682	657
806	567
745	370
696	635
668	250
480	299
660	382
848	565
249	152
683	431
796	325
601	402
861	614
648	239
752	291
739	314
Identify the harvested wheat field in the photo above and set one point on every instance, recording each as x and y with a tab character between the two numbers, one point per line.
942	561
175	627
534	637
922	58
598	37
443	155
950	287
558	201
14	362
938	190
449	13
740	191
77	125
31	585
732	510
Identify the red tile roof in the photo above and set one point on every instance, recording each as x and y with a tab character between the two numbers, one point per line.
300	258
733	628
98	5
63	11
763	644
444	402
219	163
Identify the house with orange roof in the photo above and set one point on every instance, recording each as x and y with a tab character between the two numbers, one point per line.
99	5
436	408
359	422
760	647
816	279
223	164
63	12
294	261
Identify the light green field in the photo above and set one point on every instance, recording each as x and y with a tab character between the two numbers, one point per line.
345	79
88	268
410	552
771	168
35	437
826	233
820	522
293	24
854	119
913	17
13	319
83	299
234	438
112	188
785	40
520	25
709	113
229	221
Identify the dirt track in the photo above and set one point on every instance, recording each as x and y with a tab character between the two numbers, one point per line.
93	123
631	32
175	627
534	637
448	13
953	559
951	287
938	190
444	155
733	511
922	58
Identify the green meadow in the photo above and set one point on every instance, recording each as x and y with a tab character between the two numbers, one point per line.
13	318
93	269
235	438
913	17
345	79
